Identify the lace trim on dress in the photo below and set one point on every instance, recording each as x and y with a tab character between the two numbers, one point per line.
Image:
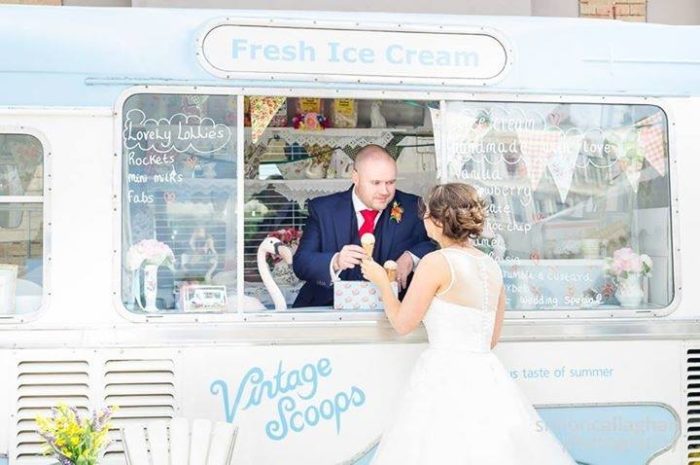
484	280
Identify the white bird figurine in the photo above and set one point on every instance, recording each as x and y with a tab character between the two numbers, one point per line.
376	118
273	246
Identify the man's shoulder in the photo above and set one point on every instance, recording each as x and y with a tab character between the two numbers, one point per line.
405	198
406	195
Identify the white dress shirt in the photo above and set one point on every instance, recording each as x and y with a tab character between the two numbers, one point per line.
359	205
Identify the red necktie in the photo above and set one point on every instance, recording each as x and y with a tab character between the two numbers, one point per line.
368	225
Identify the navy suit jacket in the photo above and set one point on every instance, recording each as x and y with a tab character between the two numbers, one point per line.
332	224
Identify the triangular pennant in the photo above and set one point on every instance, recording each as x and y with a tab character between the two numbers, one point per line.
651	120
651	143
538	147
562	165
650	139
262	110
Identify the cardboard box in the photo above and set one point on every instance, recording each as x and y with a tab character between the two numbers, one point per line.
358	295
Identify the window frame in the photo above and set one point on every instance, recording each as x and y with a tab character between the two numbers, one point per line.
45	201
558	315
369	317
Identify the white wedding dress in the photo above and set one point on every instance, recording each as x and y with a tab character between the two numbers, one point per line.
460	406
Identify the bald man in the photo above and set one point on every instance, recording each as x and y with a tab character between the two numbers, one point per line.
330	249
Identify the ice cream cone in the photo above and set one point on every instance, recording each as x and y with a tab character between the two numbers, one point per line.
367	240
390	267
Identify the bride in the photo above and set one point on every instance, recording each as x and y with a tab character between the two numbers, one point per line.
460	405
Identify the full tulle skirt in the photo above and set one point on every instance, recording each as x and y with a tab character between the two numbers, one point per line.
462	407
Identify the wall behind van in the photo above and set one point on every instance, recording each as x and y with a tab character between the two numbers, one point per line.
658	11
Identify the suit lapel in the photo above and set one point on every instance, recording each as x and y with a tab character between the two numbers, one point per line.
344	222
385	233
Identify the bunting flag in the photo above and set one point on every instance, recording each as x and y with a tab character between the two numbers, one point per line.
262	110
562	165
538	147
650	136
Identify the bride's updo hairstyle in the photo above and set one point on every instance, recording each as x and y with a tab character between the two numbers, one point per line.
458	209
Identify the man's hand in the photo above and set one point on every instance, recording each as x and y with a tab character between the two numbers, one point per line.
348	257
403	269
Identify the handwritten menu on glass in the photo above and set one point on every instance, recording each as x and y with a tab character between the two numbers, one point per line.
560	181
178	185
168	149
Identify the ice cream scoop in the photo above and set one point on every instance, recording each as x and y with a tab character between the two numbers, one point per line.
390	267
367	240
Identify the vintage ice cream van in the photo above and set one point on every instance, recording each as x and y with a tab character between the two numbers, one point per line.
156	164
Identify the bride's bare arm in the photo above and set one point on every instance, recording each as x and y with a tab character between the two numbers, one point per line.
499	318
432	273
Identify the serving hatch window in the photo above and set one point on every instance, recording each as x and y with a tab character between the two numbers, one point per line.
579	194
179	234
579	200
21	223
301	148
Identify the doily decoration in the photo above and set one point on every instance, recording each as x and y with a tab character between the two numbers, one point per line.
337	137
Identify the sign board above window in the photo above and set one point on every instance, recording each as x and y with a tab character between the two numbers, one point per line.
285	52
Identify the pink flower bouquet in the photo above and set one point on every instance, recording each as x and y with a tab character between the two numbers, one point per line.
626	262
150	252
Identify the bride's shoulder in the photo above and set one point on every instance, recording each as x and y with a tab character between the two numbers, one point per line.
433	267
433	261
436	256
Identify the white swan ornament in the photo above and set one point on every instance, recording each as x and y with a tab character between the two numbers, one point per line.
273	246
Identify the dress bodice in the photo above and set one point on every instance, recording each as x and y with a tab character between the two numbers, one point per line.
469	324
452	326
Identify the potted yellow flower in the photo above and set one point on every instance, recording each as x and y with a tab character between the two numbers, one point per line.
73	439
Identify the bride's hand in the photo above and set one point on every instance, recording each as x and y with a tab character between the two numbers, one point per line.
374	272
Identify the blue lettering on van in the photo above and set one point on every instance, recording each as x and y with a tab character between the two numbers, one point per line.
295	392
245	49
343	54
397	54
347	53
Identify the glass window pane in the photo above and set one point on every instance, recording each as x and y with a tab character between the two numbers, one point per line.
21	166
298	149
579	194
179	199
21	223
